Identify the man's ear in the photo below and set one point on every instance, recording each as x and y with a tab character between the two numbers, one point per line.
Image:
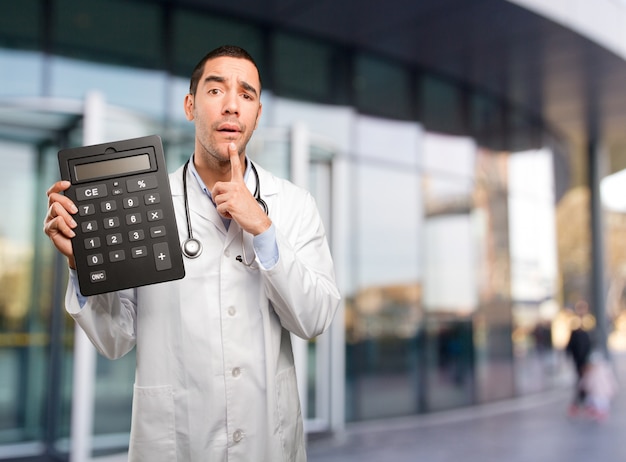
189	100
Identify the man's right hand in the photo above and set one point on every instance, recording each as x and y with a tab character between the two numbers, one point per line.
58	224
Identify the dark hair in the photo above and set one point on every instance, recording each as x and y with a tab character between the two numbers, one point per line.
230	51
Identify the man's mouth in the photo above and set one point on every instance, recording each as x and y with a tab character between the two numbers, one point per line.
228	129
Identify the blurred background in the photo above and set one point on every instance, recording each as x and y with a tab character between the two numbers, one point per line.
465	156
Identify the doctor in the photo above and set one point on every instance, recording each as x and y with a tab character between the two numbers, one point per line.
215	378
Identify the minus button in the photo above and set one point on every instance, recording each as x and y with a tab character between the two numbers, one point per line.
157	231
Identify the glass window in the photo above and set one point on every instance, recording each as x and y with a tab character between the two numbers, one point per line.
494	370
534	281
486	121
383	315
195	34
388	140
111	30
302	68
21	26
441	108
450	262
382	88
25	273
135	89
20	73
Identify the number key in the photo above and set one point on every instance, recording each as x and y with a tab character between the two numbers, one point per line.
114	239
112	222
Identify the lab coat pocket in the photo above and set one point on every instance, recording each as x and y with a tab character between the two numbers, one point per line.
289	416
153	426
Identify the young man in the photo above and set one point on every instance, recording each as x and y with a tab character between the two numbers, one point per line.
215	377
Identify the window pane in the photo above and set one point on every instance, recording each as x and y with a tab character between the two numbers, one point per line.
129	88
20	73
441	106
382	88
23	338
302	68
113	30
383	315
196	34
21	26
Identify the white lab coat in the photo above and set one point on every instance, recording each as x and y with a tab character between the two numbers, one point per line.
215	377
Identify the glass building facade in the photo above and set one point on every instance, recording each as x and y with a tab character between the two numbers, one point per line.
441	201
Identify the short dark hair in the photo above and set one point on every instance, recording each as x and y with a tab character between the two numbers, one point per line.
230	51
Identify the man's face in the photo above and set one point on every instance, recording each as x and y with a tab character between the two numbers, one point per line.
225	108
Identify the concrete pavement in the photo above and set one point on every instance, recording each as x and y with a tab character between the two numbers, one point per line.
530	429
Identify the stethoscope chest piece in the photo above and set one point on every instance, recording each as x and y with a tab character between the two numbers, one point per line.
192	248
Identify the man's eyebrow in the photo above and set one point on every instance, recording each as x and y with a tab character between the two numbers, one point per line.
214	78
219	79
248	87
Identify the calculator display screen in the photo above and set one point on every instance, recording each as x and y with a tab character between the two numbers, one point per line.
113	167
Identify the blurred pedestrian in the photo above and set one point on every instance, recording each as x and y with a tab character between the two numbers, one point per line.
599	386
579	348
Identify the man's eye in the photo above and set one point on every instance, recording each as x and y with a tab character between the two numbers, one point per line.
213	91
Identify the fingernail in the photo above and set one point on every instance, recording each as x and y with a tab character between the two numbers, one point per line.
73	209
232	146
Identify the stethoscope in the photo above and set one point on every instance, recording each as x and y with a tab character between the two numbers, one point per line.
192	247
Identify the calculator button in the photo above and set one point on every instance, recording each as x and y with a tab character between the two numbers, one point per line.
92	242
91	192
117	191
95	259
136	235
89	226
141	183
157	231
131	202
86	209
162	256
117	255
114	239
133	219
151	199
139	252
108	206
155	215
112	222
98	276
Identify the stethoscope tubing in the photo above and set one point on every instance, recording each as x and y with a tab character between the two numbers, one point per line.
192	247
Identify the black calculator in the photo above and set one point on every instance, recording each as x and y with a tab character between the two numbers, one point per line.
126	234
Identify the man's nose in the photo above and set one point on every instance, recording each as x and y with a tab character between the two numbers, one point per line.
231	105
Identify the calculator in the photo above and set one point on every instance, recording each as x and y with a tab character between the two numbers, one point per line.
126	234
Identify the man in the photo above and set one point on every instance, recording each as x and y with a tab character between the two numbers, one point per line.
579	347
215	377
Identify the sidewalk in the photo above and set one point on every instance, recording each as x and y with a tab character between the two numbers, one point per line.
529	429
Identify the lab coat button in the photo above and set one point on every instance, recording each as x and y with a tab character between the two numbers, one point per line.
227	253
237	436
232	311
236	372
